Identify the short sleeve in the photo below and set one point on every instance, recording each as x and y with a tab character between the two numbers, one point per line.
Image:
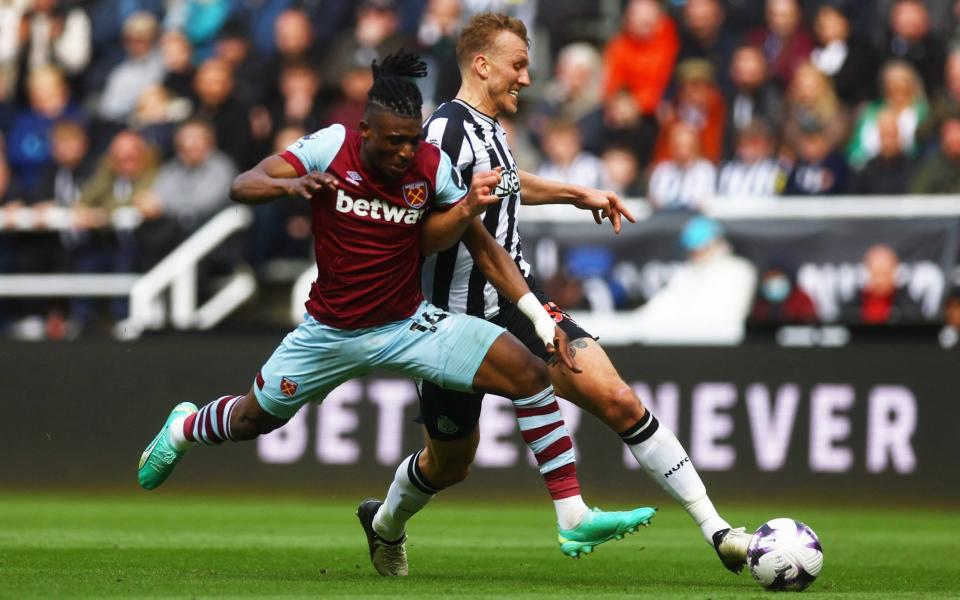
450	187
450	136
316	151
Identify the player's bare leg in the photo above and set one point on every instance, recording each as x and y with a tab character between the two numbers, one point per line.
600	390
229	418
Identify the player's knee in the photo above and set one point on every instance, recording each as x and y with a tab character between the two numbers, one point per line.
247	423
451	475
531	377
621	406
444	472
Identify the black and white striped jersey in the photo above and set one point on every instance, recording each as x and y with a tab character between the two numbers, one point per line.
475	143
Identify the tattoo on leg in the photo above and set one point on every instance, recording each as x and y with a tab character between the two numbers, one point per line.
577	343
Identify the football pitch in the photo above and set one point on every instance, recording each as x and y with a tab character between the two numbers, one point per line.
174	545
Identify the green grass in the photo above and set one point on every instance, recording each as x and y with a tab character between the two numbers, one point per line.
175	546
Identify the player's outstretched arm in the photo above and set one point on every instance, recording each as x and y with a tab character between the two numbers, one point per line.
604	204
500	270
275	178
442	229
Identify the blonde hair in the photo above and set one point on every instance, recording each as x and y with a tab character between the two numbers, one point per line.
478	36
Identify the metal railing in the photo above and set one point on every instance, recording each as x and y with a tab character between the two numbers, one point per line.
176	273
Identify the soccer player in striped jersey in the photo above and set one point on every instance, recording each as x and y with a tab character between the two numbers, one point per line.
380	199
493	58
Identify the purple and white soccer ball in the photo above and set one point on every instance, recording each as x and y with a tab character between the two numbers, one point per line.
784	555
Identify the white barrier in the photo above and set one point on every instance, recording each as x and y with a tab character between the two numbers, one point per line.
177	272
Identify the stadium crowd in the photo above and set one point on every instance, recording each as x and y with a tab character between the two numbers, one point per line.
156	105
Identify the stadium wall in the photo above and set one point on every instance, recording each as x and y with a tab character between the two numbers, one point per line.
873	421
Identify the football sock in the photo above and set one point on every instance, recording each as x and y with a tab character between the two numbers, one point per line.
409	492
210	425
662	456
543	429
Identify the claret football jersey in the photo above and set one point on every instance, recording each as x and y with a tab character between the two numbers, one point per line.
367	232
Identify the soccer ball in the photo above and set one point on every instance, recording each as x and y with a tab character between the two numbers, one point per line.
784	555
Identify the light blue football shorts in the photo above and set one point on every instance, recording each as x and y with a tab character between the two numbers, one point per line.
313	359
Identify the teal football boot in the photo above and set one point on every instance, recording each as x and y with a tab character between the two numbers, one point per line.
600	527
160	457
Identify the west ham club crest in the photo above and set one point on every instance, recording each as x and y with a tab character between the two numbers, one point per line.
288	386
415	194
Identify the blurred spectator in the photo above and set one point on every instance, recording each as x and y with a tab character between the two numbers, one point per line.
56	34
707	299
910	39
847	60
127	169
157	115
638	64
48	251
623	171
177	54
60	182
785	41
881	299
888	172
142	67
375	35
348	108
11	15
28	140
188	190
107	20
819	168
573	94
702	35
299	101
437	36
214	86
812	101
699	104
282	229
566	159
940	173
249	69
259	19
686	180
946	103
902	96
640	58
199	21
754	97
295	45
755	172
780	300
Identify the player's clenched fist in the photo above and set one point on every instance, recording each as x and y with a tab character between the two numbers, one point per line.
481	194
311	183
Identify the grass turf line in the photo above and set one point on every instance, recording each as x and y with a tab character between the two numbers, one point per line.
227	546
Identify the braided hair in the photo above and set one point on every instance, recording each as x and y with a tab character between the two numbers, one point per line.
392	89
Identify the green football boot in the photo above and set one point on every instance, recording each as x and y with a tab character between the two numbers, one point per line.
160	457
601	527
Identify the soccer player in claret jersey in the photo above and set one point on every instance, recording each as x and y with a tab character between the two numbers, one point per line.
380	198
493	60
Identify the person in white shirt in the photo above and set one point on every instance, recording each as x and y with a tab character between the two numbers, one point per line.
686	180
707	300
754	173
566	159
